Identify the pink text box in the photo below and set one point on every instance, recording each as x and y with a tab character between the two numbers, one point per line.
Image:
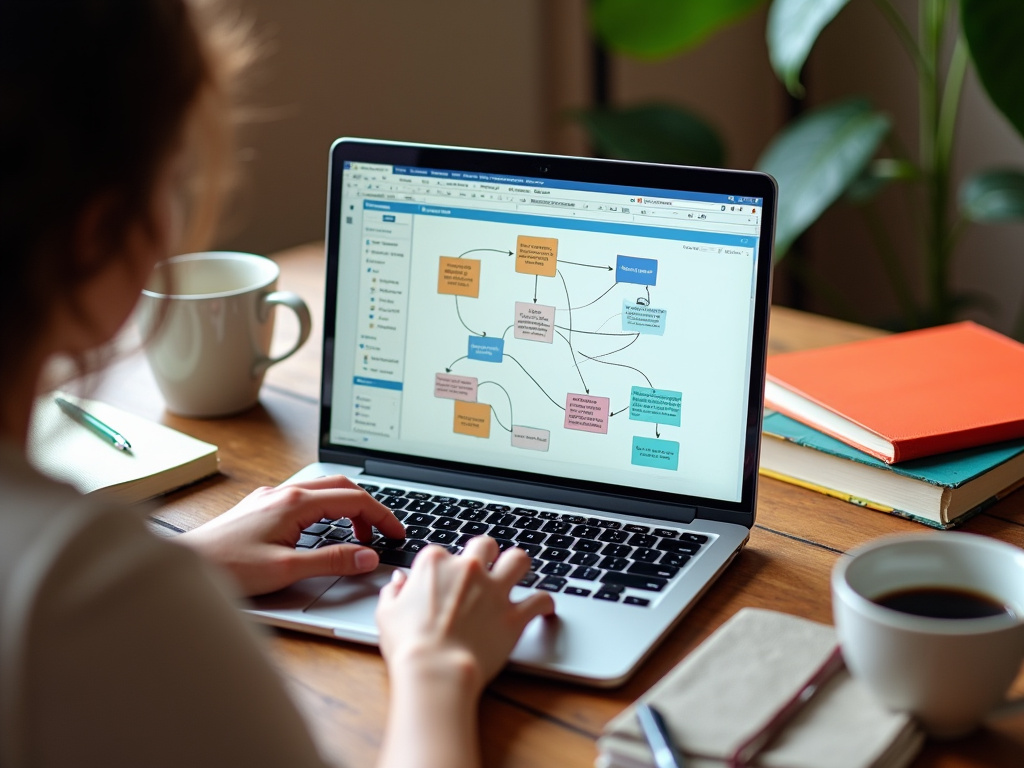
587	413
455	387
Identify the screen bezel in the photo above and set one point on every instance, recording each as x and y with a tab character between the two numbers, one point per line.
597	171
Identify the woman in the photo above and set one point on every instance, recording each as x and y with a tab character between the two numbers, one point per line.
118	648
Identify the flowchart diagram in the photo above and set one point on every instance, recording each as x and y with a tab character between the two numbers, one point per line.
653	410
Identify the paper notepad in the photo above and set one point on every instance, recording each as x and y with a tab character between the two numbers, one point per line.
727	689
161	459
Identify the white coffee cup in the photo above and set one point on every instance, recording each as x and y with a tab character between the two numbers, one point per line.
949	673
209	320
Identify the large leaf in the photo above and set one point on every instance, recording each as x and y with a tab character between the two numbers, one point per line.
993	196
793	28
816	158
995	34
657	133
654	29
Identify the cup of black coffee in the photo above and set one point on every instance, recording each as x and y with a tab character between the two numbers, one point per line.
933	624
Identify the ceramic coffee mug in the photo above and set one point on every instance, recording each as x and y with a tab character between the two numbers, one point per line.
209	319
950	673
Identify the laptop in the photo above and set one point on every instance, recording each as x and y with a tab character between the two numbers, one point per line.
565	354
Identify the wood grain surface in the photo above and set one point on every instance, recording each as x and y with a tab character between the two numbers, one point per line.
527	722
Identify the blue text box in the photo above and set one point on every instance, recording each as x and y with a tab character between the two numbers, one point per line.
658	454
485	348
660	406
641	318
630	269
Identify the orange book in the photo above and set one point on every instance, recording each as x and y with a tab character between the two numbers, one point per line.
908	395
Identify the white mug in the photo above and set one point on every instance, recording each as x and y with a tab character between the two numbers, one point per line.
209	320
949	673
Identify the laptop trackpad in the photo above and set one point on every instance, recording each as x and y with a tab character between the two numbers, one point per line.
352	600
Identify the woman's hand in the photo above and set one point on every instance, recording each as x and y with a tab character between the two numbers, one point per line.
255	540
453	616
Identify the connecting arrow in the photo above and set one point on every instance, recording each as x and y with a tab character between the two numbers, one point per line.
620	365
568	303
536	280
606	354
584	306
449	368
459	313
549	397
488	250
592	266
510	417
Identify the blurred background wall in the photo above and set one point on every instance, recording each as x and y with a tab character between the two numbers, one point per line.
507	74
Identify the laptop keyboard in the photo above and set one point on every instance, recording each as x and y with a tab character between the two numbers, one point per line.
588	557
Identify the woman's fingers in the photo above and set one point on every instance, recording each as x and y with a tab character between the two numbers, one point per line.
511	566
339	560
537	604
322	483
393	588
307	506
482	548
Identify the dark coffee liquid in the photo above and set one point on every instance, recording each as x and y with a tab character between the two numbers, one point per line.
943	603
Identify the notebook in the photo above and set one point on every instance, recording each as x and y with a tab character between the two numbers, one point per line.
941	491
161	459
908	395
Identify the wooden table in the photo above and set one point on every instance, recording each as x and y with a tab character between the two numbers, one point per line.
528	721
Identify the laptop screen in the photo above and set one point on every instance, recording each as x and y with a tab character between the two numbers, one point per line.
592	332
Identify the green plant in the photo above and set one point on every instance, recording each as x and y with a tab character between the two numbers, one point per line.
847	150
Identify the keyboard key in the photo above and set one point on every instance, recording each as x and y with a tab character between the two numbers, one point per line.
525	512
586	545
642	540
650	569
536	563
666	533
557	555
504	544
634	528
614	564
615	537
556	569
574	519
584	558
443	537
679	547
389	543
326	543
675	559
473	515
577	591
317	529
418	495
447	500
414	545
529	523
562	542
531	537
369	488
614	587
420	506
394	502
604	594
585	573
447	524
501	518
552	583
612	524
649	583
646	555
399	514
470	504
392	491
448	510
531	549
696	538
528	580
550	515
343	522
635	600
557	526
420	519
463	539
417	532
339	535
401	557
306	541
475	529
586	531
455	549
498	507
503	532
616	550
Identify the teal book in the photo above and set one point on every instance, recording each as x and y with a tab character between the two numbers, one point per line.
942	491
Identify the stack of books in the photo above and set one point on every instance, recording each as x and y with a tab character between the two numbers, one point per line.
928	425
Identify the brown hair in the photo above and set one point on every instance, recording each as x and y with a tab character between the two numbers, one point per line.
96	95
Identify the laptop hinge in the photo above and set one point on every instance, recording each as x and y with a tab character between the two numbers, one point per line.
534	491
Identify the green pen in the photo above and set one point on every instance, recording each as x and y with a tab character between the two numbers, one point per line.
90	422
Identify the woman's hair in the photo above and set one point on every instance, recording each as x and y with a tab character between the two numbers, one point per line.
95	97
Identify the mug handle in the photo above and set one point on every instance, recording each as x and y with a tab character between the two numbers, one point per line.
295	303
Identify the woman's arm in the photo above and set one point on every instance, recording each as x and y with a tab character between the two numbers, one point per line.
446	630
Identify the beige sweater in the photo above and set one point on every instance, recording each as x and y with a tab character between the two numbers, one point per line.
121	649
